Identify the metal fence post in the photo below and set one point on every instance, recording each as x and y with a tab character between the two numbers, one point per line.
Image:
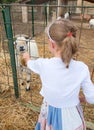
9	35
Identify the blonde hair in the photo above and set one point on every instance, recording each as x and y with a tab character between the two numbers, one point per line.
63	33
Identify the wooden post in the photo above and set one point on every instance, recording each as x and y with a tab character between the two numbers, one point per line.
48	13
79	3
24	14
61	10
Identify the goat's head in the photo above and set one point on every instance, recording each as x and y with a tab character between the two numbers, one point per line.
21	44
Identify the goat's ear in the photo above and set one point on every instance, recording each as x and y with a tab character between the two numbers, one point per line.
15	43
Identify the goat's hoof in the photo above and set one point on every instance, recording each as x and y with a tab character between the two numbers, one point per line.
28	89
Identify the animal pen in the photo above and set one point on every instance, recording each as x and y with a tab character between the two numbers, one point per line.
19	109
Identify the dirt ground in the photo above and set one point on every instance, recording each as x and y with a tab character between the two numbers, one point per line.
22	113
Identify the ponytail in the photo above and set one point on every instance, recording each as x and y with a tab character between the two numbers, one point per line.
68	49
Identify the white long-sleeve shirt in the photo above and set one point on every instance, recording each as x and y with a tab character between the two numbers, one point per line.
61	85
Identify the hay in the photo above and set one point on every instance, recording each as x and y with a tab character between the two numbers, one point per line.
15	116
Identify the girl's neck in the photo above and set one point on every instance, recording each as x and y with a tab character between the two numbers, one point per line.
57	54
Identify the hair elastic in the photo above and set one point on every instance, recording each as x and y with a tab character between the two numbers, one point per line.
69	34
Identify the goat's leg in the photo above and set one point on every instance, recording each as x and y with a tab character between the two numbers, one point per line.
20	73
28	76
19	69
90	26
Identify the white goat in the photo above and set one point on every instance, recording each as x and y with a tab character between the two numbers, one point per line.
67	15
23	44
91	23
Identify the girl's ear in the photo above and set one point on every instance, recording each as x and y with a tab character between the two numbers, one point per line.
52	45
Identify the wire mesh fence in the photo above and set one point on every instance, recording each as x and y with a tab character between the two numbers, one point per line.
32	20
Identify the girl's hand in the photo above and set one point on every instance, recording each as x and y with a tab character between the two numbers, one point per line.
26	57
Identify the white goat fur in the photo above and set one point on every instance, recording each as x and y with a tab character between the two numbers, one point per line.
91	23
67	15
23	44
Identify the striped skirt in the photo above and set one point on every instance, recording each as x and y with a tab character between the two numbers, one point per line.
51	118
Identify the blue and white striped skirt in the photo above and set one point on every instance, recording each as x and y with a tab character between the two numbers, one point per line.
52	118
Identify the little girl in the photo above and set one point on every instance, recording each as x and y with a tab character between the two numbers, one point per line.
62	78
